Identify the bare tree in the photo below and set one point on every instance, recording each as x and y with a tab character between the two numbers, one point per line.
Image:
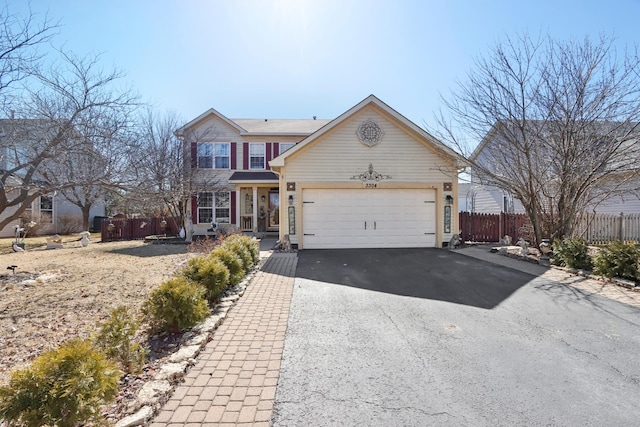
558	125
72	114
166	182
20	38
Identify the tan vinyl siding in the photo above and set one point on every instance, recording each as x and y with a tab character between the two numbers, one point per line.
339	155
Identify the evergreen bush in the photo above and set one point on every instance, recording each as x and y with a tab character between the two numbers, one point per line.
209	272
618	259
232	262
176	304
249	243
116	338
63	387
241	250
572	253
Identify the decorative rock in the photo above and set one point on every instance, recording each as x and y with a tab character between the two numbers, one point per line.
54	242
139	418
230	298
152	392
185	353
210	324
199	339
172	371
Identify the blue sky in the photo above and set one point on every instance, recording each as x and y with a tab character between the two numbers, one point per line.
300	58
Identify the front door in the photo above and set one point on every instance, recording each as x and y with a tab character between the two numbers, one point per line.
274	209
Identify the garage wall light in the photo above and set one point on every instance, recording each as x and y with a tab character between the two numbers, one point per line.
290	199
449	199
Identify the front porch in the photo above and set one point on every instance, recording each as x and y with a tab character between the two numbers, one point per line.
258	201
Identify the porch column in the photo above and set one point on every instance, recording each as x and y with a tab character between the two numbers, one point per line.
255	209
238	211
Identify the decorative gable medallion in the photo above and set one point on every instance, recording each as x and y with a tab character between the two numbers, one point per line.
369	133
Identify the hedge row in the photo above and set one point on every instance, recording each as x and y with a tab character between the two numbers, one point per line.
68	385
616	259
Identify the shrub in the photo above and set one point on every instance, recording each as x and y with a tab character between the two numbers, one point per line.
209	272
64	387
233	263
176	304
205	246
116	338
250	244
618	259
241	251
572	253
69	224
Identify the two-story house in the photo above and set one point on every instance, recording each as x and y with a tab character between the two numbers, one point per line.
617	190
368	178
230	160
52	212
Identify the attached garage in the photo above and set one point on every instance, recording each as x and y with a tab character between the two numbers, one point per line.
368	218
368	179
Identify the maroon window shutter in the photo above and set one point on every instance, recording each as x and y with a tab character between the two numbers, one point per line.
234	155
276	150
233	207
245	155
194	155
269	152
194	208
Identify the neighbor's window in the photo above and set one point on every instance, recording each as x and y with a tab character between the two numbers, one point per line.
214	205
285	146
46	209
256	156
213	155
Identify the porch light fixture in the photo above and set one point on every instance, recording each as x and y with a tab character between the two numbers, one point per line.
290	199
449	199
263	198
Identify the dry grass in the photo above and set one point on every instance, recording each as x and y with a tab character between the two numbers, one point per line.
58	294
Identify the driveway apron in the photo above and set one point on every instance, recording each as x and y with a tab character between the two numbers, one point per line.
432	337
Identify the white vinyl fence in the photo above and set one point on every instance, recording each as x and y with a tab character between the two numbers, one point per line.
603	228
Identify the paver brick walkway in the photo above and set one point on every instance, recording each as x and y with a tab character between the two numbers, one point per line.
234	381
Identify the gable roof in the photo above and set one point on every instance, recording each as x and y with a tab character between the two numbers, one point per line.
370	100
281	126
268	127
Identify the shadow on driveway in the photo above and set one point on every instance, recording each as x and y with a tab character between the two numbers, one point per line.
436	274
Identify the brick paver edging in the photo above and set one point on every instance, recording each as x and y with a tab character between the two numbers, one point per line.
234	380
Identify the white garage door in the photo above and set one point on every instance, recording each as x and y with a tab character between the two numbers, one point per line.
368	218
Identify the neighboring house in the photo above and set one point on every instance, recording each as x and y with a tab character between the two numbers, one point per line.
369	178
485	199
52	213
490	199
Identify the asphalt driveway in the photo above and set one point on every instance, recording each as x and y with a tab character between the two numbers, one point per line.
432	337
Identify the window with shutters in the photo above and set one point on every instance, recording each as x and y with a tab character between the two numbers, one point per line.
256	156
214	205
213	155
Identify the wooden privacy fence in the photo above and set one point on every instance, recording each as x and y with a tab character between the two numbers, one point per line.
479	227
137	228
602	228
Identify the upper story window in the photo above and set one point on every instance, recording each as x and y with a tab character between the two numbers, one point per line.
284	146
213	155
256	156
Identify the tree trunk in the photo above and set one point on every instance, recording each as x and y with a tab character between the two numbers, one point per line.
86	209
